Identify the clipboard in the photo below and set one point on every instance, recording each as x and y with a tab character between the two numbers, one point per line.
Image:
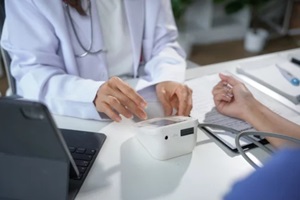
227	138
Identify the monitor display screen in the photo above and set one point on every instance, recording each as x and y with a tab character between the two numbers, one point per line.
164	122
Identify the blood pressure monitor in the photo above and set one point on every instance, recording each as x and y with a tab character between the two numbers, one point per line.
168	137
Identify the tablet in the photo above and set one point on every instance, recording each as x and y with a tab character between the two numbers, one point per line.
38	160
227	138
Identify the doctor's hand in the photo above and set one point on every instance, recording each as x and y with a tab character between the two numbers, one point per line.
116	97
175	95
232	98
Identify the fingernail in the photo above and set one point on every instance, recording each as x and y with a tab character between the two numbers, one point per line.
226	96
229	95
144	116
144	105
229	86
118	119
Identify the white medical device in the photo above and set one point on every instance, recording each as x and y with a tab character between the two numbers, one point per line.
168	137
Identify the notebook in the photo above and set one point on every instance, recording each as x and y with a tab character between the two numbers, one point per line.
38	160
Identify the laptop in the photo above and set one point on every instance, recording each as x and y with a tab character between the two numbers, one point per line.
38	160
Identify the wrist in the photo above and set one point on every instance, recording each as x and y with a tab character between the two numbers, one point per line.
253	112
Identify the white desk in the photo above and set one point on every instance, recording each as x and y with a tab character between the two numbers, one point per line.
124	170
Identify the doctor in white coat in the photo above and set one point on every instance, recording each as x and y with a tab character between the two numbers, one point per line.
87	58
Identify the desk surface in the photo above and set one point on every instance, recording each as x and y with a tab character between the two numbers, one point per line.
124	170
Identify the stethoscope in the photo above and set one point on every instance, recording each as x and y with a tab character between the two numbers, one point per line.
88	50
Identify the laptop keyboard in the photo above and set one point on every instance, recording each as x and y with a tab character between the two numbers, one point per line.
82	158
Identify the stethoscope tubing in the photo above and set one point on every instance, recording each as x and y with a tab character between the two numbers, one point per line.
88	50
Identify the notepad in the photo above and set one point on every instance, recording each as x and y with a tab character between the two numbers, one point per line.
269	75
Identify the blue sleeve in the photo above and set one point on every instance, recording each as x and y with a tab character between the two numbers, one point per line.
279	179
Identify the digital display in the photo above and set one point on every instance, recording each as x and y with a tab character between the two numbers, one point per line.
164	122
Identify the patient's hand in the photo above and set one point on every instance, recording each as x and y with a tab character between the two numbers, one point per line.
232	98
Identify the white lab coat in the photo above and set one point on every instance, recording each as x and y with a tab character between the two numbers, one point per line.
38	36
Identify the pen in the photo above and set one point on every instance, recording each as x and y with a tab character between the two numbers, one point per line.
295	61
289	77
